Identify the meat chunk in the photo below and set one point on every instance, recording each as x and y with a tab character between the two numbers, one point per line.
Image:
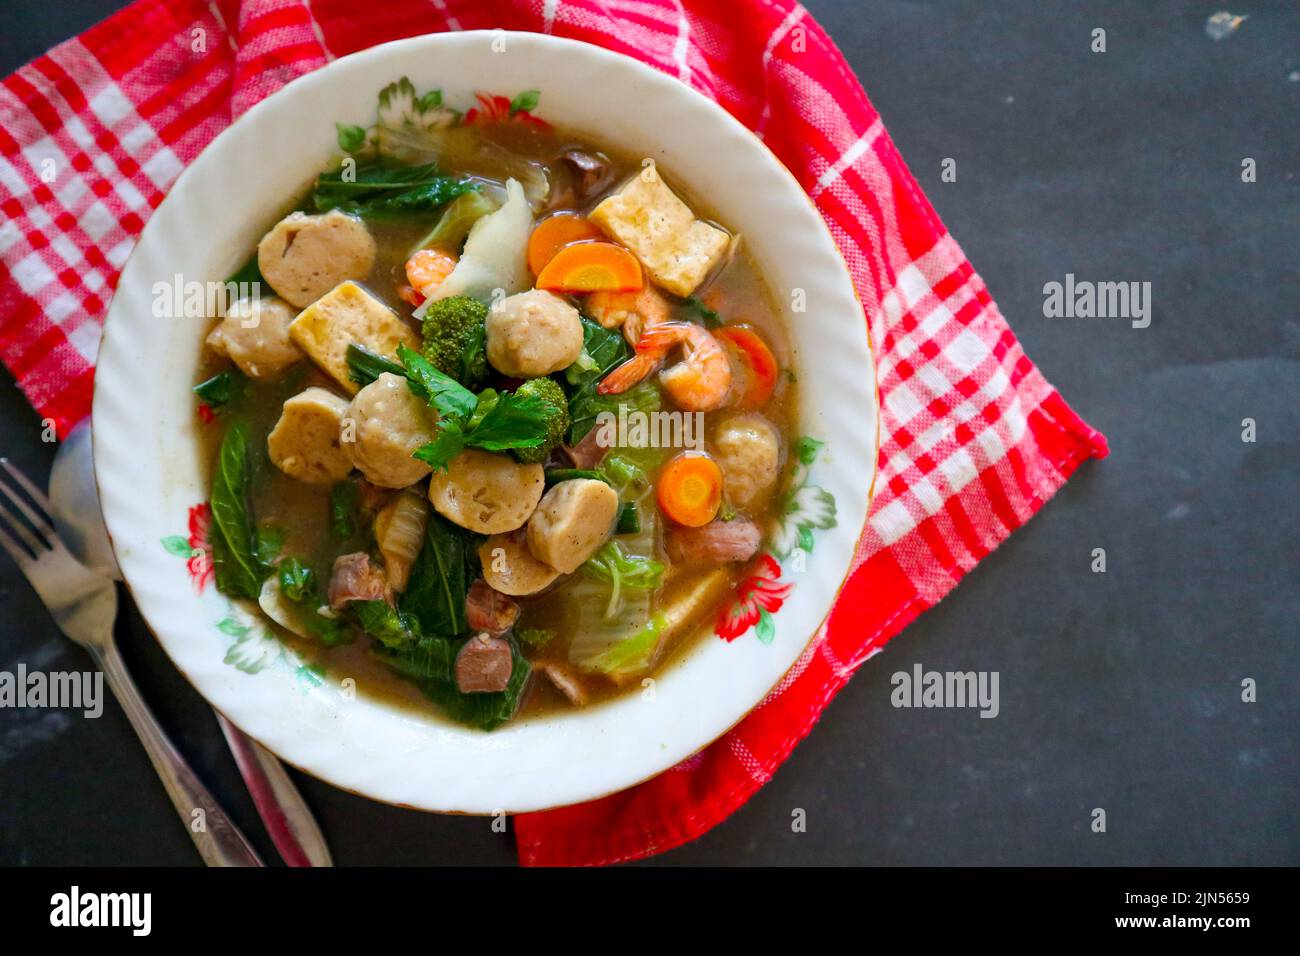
254	334
533	334
304	257
749	452
383	426
484	665
305	441
718	542
487	609
486	492
677	249
509	567
355	578
566	682
591	172
348	314
589	452
572	521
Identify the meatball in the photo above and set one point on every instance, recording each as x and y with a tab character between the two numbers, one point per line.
383	426
572	521
305	441
749	452
533	334
255	336
509	567
485	492
304	257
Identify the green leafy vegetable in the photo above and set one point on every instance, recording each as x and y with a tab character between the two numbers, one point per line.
381	191
604	349
556	475
364	366
430	664
345	499
239	572
586	406
455	222
631	655
442	391
395	630
300	586
221	389
620	570
250	273
435	595
297	581
629	519
269	540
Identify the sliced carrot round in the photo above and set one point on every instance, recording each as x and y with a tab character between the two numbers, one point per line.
760	364
689	491
591	267
553	234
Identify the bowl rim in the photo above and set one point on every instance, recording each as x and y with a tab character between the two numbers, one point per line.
320	77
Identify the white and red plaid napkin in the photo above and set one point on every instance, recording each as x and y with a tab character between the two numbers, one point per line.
974	440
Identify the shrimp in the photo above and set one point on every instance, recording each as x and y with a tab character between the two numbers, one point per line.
699	382
635	311
425	271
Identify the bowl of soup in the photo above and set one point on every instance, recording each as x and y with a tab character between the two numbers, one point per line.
485	422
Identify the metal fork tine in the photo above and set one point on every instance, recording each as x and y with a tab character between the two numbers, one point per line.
16	528
37	496
20	554
41	529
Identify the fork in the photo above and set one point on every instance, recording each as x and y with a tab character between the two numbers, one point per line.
84	605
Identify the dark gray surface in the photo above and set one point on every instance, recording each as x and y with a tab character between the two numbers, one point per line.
1119	691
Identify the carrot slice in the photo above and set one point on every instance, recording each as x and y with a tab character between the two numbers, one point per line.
591	267
690	489
760	365
553	234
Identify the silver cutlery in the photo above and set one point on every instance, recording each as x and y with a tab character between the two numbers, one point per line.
80	523
84	605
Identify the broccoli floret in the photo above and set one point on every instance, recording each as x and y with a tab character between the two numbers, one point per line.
454	337
557	417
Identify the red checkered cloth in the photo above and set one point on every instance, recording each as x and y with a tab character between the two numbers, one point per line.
974	440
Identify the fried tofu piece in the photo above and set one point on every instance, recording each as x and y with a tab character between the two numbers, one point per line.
677	249
347	314
305	441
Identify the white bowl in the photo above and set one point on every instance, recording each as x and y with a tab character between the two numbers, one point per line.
148	471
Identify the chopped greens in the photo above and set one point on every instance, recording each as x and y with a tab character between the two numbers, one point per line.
395	630
435	595
297	581
384	192
239	570
364	366
629	519
707	316
430	664
619	569
345	498
454	224
221	389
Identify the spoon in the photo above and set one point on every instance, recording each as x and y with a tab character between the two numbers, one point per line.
74	500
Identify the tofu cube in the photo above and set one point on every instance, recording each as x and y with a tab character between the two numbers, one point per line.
677	249
347	314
